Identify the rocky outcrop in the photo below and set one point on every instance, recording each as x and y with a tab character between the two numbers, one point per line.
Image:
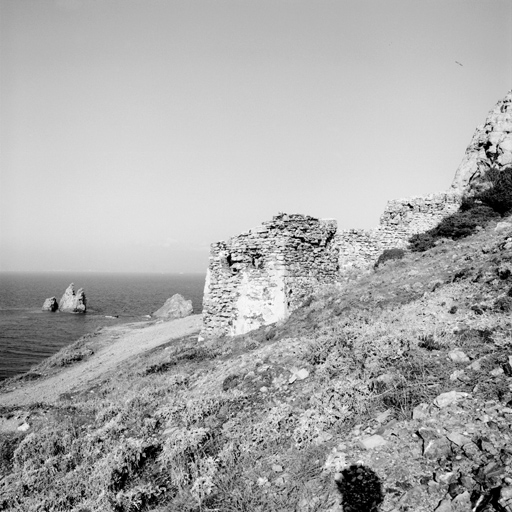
175	307
72	302
50	304
491	146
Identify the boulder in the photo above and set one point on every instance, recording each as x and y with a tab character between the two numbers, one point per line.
72	302
174	307
50	304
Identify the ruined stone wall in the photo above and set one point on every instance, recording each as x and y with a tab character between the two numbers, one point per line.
418	214
402	218
359	248
260	276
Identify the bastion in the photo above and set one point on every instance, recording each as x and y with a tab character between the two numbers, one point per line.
261	276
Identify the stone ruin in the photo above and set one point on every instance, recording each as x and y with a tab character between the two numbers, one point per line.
260	276
402	218
490	146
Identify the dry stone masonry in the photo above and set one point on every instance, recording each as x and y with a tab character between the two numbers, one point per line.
260	276
402	218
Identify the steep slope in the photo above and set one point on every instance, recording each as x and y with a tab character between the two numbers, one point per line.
391	391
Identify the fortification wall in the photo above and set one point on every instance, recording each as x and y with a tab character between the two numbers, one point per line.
260	276
402	218
418	214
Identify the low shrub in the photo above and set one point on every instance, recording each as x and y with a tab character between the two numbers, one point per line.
389	255
193	354
503	304
8	444
491	200
75	357
497	190
459	225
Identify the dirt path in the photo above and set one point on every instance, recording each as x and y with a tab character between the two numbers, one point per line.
121	342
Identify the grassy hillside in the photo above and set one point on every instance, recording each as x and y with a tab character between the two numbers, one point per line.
391	391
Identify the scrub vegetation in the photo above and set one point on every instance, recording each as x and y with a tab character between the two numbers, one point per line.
262	422
492	200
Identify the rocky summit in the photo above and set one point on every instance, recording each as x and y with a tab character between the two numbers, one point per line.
72	302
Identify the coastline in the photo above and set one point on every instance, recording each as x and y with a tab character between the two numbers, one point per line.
92	358
30	335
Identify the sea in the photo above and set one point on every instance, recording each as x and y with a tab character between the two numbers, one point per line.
28	334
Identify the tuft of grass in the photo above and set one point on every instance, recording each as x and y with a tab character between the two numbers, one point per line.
182	354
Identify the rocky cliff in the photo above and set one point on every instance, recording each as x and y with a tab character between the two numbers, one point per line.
491	146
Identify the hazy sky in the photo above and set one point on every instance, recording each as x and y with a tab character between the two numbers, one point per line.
133	133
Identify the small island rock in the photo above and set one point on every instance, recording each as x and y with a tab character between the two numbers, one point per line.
175	307
50	304
72	302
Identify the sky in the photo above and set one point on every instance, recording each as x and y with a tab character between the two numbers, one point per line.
135	133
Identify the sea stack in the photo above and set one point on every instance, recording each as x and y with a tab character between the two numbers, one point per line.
175	307
50	304
72	302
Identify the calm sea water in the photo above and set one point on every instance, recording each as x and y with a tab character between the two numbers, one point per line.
28	335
